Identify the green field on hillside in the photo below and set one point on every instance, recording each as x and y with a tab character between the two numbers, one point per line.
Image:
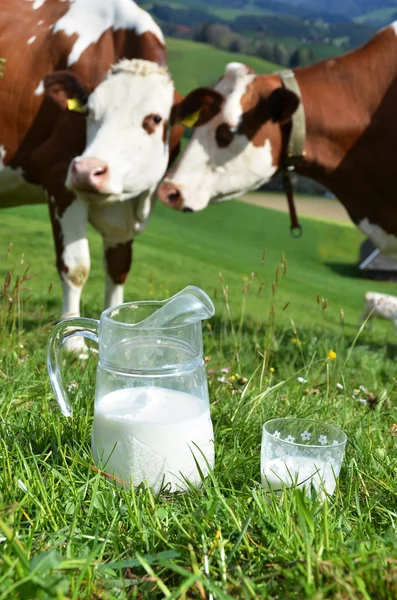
221	11
193	64
228	238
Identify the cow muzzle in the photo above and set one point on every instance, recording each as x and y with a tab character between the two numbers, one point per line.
88	175
171	195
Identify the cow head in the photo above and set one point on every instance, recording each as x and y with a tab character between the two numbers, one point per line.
127	129
237	142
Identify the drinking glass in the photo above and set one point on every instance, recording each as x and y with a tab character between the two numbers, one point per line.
301	452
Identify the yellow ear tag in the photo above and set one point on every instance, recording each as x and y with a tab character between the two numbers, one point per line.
75	105
191	120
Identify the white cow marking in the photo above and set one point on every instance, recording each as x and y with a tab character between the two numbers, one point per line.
76	255
3	153
37	4
32	39
91	18
233	86
386	242
40	89
114	292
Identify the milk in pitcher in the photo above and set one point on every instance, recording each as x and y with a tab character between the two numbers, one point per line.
153	434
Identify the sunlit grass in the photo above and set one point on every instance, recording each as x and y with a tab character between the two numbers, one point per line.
66	531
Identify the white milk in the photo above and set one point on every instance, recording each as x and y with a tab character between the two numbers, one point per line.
151	434
302	471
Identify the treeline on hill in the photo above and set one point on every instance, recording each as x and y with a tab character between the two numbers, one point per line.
296	39
349	8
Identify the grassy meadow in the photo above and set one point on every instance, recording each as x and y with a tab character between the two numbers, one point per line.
193	64
66	531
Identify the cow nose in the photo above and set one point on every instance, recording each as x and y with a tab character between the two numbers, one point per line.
88	174
170	195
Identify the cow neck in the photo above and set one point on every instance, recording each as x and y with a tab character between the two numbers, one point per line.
347	100
294	149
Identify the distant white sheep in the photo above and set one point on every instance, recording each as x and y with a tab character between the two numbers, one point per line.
383	306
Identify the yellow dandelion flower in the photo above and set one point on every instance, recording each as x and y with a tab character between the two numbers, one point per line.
271	370
245	278
331	355
150	292
296	341
232	377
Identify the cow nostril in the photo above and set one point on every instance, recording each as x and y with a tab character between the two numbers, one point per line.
99	171
174	196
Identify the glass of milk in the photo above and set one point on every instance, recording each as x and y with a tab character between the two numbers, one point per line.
152	418
303	453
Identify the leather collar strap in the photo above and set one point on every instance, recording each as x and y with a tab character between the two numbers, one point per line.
295	149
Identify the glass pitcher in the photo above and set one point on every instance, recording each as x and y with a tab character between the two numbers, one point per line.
151	417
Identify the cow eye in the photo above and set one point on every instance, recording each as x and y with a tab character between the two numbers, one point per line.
157	119
224	135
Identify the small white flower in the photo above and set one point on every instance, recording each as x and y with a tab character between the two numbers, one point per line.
322	439
363	389
225	370
290	438
301	380
306	435
335	443
222	379
362	400
73	386
339	386
276	434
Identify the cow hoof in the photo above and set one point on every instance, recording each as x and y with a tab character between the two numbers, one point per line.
76	345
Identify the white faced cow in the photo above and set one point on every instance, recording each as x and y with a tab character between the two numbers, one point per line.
244	127
65	58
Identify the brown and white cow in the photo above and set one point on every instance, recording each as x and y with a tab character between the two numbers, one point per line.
106	58
243	128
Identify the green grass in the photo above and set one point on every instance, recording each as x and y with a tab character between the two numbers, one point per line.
193	64
69	532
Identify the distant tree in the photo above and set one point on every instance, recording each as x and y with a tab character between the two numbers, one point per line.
265	50
280	54
301	57
219	36
240	44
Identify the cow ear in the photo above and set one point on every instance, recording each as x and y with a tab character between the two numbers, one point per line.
197	108
282	105
66	90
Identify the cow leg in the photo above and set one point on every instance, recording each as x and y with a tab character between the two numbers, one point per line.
117	259
69	226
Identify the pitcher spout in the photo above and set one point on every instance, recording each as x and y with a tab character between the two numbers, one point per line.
188	306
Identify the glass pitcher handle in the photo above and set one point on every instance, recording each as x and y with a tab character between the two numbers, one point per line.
63	331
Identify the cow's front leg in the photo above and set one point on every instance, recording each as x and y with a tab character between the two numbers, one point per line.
69	224
117	259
